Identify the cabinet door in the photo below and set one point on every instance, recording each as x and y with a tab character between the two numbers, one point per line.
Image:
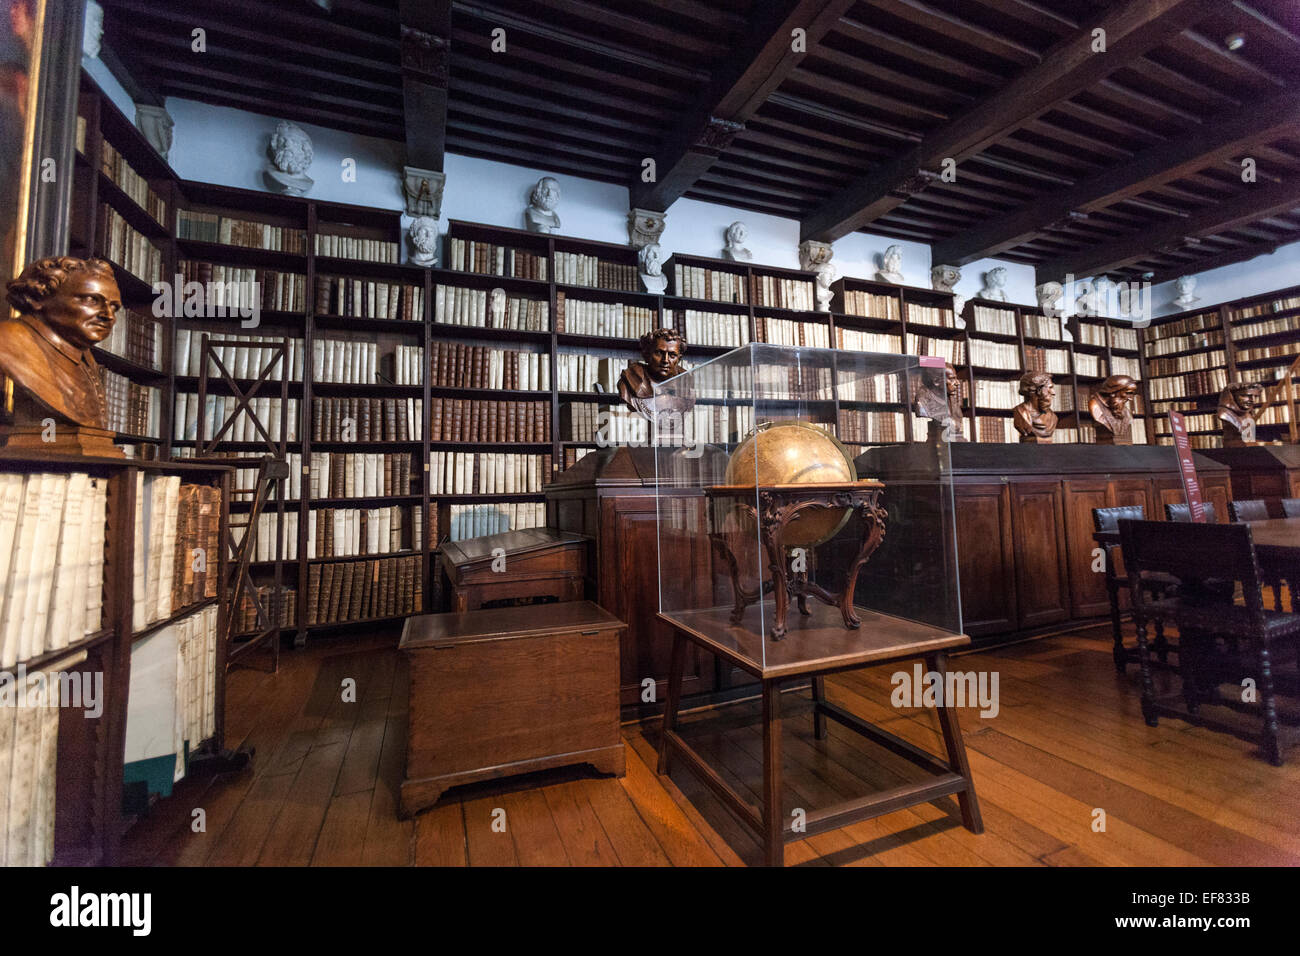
985	560
629	589
1218	491
1038	530
1133	491
1087	587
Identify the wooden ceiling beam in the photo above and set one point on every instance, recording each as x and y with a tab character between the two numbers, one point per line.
1155	166
1257	202
425	56
755	67
1069	67
207	92
1226	258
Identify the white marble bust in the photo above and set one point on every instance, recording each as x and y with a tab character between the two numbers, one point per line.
1186	286
1050	298
540	216
735	249
291	156
650	266
995	281
944	278
92	32
423	233
891	263
156	124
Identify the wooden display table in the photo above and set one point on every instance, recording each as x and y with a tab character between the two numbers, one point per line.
814	646
538	562
508	691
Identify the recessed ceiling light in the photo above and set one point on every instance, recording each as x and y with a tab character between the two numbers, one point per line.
1234	41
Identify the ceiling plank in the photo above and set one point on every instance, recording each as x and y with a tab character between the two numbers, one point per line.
425	53
738	87
1239	254
1152	167
1067	69
1258	202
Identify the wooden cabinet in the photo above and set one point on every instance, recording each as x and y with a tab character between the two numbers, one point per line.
1271	472
1087	587
1041	595
985	557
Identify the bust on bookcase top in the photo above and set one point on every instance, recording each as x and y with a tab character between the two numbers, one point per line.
650	267
65	306
891	266
291	156
737	234
540	216
995	282
423	232
1033	417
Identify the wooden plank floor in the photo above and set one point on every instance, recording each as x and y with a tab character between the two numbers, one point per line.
1067	746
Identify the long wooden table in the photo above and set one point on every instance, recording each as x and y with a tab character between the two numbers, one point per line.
1277	541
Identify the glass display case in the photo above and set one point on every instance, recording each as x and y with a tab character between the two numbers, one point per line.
806	558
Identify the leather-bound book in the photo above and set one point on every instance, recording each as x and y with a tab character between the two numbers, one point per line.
323	596
313	592
345	591
336	590
358	590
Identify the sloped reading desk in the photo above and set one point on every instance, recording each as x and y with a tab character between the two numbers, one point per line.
815	645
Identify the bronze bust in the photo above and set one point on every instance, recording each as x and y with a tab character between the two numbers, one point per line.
1033	417
943	411
1240	405
661	354
65	306
1111	407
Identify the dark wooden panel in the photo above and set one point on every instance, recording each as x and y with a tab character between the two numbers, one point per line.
985	559
1087	587
1036	517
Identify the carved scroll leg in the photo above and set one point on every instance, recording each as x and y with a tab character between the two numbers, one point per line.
873	532
801	592
742	598
780	583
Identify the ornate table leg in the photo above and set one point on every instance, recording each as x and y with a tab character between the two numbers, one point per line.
873	532
780	582
800	585
743	598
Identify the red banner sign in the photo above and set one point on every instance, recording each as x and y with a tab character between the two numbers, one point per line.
1187	467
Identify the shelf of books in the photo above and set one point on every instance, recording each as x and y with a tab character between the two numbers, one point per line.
1188	364
1104	347
1264	333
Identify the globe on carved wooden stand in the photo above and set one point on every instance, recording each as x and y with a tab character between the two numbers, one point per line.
795	452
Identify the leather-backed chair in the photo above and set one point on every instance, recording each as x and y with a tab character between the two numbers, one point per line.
1250	509
1291	507
1106	520
1195	554
1184	512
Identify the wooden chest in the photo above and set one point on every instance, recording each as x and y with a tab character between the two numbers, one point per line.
536	562
507	691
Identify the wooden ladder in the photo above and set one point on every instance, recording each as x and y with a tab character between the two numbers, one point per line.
240	583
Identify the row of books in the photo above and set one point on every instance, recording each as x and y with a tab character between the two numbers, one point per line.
1055	361
864	427
1209	381
487	473
574	455
368	299
348	532
1123	339
281	609
575	268
230	288
132	409
1196	441
125	178
1201	322
996	429
339	592
994	394
607	424
697	282
353	247
244	356
1045	327
475	307
136	337
265	539
1090	333
930	315
1281	304
359	474
1088	364
779	293
475	521
1194	362
1063	398
791	332
473	420
176	546
867	341
994	320
722	329
51	562
1183	343
457	365
613	319
275	420
1082	433
953	351
1266	327
890	389
366	419
582	371
996	355
871	304
1265	352
468	255
215	227
1195	422
347	361
1122	365
1275	415
119	241
29	735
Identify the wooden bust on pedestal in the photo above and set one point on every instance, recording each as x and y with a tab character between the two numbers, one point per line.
1111	407
661	354
1240	405
1033	417
55	395
943	410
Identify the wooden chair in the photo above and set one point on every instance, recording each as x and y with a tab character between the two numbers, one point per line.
1184	513
1106	521
1196	554
1251	509
1291	507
